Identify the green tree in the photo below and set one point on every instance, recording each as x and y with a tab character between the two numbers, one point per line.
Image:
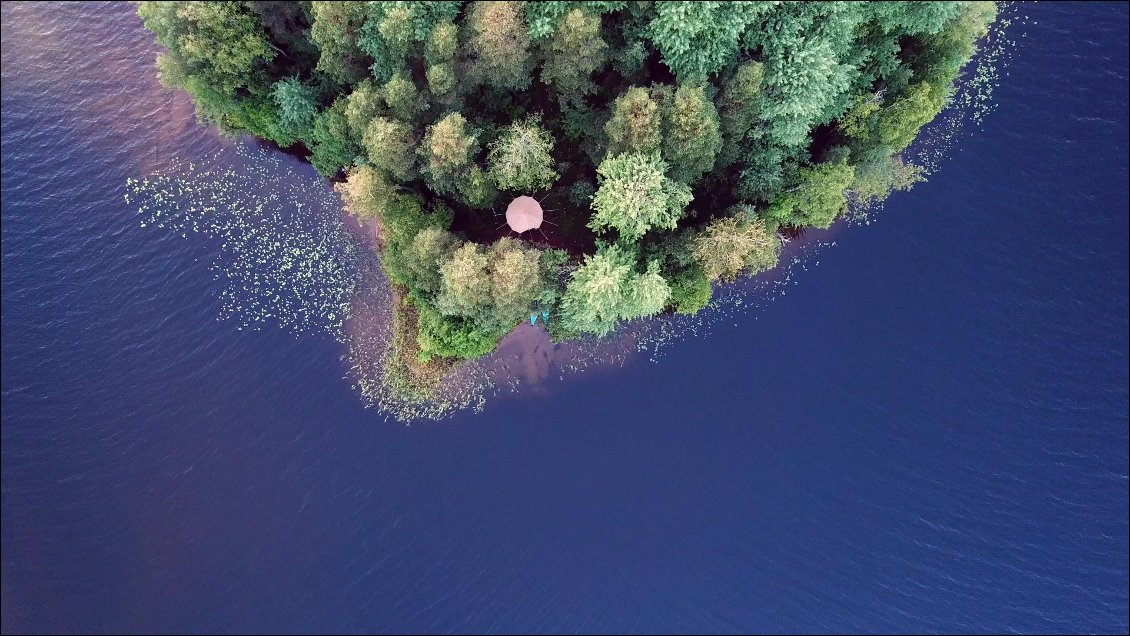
817	199
521	158
571	56
288	29
762	174
606	289
809	54
363	105
898	124
403	98
441	79
739	108
366	193
385	62
465	282
395	27
545	17
219	44
635	196
423	257
648	294
692	138
944	53
335	30
219	53
443	40
297	104
515	280
391	146
874	182
553	263
333	145
596	296
690	291
913	17
452	336
700	38
477	189
581	193
439	54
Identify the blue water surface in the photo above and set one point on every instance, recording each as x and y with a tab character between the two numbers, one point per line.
928	432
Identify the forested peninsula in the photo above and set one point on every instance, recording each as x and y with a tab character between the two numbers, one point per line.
644	150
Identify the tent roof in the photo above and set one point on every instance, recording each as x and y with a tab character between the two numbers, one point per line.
524	213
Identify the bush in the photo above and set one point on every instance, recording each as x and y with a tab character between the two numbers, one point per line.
690	292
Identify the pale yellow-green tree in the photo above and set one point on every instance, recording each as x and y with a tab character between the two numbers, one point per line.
391	146
572	54
499	42
447	151
729	246
515	279
366	192
607	289
465	282
439	55
636	196
362	105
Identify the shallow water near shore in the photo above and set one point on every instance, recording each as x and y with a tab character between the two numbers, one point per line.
927	432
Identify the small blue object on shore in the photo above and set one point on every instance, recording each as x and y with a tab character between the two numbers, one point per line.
533	319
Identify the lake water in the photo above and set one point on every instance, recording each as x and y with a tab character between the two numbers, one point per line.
928	432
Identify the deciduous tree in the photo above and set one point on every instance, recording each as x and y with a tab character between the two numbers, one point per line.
521	158
572	54
692	138
391	146
499	41
817	198
636	123
728	246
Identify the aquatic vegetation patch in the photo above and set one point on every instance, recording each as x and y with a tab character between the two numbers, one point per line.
284	256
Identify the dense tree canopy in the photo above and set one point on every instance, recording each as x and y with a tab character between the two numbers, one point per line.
636	123
817	198
635	196
499	44
679	138
607	288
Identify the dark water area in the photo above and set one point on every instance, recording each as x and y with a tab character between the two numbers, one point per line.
928	433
